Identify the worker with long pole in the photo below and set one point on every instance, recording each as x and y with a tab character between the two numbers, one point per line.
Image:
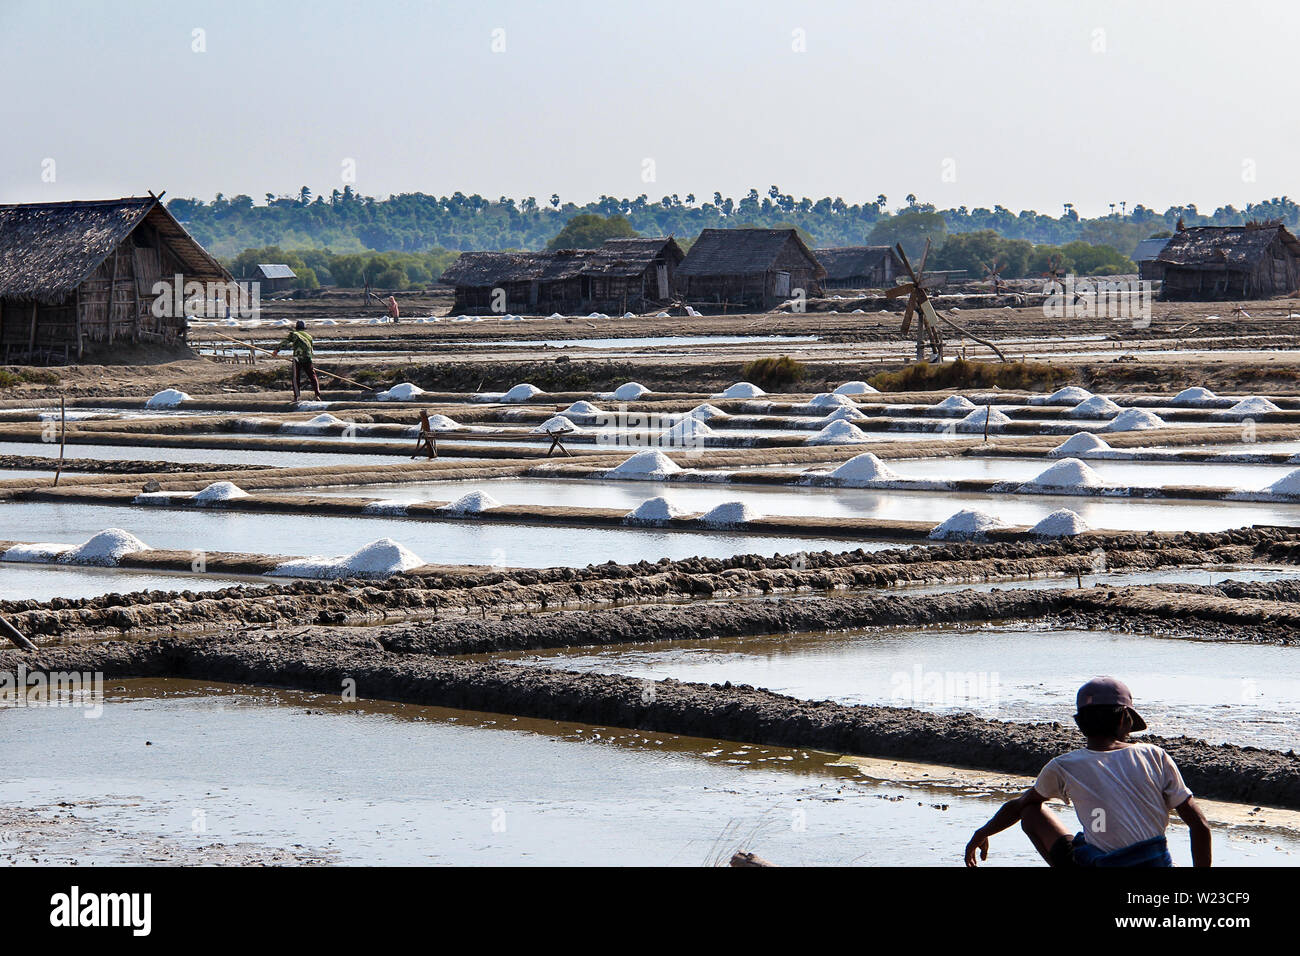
303	354
258	348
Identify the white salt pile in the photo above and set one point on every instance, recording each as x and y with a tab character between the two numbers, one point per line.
581	408
557	423
1099	406
729	514
440	423
843	415
1286	485
838	433
1134	420
830	400
706	411
1060	524
1069	473
475	502
1081	443
855	388
955	403
1195	395
400	393
167	398
645	466
105	549
653	511
1069	395
741	390
976	420
378	559
321	423
688	428
220	491
396	509
864	468
966	525
521	393
630	392
1248	408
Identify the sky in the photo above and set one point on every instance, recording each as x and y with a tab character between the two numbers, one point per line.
1026	104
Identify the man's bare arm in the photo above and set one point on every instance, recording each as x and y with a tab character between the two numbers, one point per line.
1008	815
1191	814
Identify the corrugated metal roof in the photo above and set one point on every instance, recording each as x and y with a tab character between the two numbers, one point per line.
1149	249
276	270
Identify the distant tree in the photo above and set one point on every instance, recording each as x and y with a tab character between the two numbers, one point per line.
911	228
588	231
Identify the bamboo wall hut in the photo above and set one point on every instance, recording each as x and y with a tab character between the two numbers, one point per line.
631	274
859	267
748	268
1254	261
476	276
82	274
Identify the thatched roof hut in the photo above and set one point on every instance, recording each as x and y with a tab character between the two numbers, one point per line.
748	268
859	267
1253	261
73	273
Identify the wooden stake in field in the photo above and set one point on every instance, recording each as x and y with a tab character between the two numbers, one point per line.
63	437
250	345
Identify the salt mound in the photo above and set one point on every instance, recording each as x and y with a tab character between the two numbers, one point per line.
843	415
1134	420
473	503
557	423
1060	524
167	398
440	423
1079	444
1099	406
955	403
855	388
1069	395
864	467
741	390
400	393
1287	485
630	392
966	525
1067	473
831	400
521	393
975	421
105	549
729	514
581	408
322	422
378	559
1247	407
838	433
1194	396
220	491
653	511
645	465
706	411
688	427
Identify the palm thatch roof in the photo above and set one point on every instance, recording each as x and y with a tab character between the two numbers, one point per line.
48	249
482	269
1225	247
741	252
627	258
850	262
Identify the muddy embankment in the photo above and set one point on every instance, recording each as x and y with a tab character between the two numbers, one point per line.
331	662
484	592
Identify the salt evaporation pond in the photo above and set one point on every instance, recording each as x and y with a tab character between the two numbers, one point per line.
214	456
463	541
1112	514
1247	694
44	582
378	783
1138	474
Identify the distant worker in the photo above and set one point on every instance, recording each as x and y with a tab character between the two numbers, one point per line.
427	440
303	358
1122	791
393	312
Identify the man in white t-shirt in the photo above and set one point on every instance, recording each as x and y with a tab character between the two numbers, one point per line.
1122	792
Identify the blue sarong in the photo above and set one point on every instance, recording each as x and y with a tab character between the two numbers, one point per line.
1152	852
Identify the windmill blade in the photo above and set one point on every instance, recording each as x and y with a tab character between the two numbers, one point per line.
907	315
907	264
898	290
924	256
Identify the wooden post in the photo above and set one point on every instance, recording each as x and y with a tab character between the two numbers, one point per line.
63	437
15	635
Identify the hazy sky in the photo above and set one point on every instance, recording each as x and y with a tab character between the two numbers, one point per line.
1030	104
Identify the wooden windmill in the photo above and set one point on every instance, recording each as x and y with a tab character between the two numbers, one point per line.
1054	271
919	307
993	275
922	309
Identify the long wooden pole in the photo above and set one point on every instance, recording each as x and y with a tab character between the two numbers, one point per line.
250	345
63	436
15	635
